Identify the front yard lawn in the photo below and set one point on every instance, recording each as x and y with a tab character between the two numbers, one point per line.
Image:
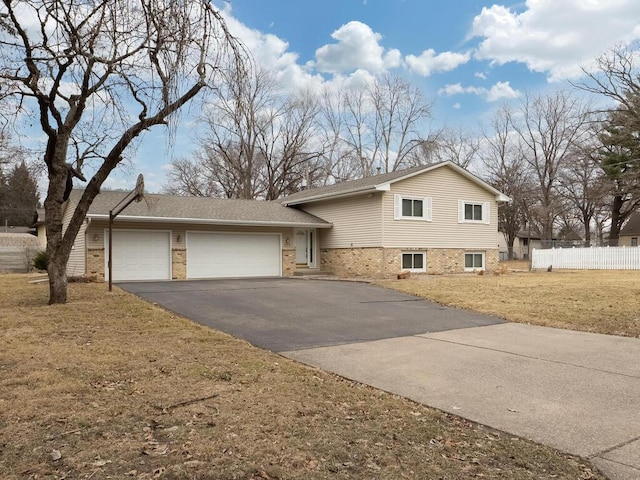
602	301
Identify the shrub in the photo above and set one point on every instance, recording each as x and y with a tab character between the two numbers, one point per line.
40	261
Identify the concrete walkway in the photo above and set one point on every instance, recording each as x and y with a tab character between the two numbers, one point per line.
577	392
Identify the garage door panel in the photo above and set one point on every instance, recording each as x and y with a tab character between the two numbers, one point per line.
141	255
219	255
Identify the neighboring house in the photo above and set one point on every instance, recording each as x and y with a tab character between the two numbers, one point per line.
17	249
630	233
41	231
427	219
524	243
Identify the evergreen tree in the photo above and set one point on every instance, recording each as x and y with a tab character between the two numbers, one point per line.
620	161
21	197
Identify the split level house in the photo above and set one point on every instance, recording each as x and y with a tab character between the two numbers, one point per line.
427	219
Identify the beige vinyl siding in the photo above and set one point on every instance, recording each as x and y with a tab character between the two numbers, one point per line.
77	263
625	240
357	221
445	187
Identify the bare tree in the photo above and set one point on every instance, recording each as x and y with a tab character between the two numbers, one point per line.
617	78
339	161
450	144
506	170
96	75
256	143
377	127
400	112
190	177
548	128
232	124
287	145
583	185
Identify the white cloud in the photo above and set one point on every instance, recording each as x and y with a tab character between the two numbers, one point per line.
357	47
458	89
501	90
555	37
481	75
270	51
497	92
428	62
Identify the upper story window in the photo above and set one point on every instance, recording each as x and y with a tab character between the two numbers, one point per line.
634	241
412	208
473	212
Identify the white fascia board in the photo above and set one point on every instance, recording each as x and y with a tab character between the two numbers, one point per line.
384	187
210	221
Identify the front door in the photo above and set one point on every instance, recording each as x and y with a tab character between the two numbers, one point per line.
301	247
305	247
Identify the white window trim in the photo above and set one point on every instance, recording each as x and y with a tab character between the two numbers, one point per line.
424	261
486	212
472	269
427	208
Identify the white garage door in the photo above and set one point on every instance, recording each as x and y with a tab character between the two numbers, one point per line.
216	255
140	255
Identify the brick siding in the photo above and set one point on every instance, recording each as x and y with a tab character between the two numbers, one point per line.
387	262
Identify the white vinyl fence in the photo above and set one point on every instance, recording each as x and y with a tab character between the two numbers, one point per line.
593	258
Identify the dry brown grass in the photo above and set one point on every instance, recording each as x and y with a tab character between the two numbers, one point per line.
592	301
118	388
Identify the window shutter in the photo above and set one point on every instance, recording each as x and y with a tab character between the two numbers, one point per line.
397	207
427	209
486	212
460	211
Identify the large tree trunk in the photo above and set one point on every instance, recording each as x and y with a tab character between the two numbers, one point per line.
616	208
587	231
57	255
57	269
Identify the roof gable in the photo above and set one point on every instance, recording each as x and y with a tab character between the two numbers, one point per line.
381	183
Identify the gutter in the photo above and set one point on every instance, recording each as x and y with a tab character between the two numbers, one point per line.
210	221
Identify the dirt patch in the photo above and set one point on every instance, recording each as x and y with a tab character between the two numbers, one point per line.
108	386
602	301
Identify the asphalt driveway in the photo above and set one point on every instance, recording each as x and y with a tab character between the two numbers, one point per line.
577	392
292	314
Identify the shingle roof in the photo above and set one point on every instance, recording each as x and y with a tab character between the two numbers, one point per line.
632	227
157	207
370	183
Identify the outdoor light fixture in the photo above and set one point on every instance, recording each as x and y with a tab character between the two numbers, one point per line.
179	239
95	237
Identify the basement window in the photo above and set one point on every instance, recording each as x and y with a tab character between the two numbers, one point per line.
413	261
473	261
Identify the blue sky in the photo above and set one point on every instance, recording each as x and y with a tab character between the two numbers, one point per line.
468	56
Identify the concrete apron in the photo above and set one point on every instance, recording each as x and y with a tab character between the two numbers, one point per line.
576	392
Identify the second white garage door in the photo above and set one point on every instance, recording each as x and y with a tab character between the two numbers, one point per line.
217	255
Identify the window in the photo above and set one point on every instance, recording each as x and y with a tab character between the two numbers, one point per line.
413	261
634	241
412	208
473	212
474	261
